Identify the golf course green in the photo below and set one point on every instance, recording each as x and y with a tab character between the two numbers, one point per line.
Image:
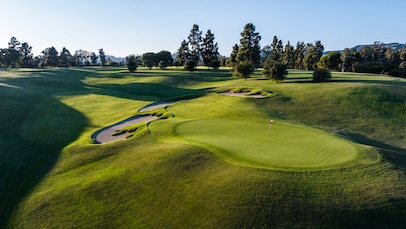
333	157
258	143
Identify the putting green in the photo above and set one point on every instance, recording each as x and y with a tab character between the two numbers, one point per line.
256	143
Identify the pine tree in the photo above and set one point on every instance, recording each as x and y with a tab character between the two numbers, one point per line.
102	57
210	51
194	42
183	53
250	48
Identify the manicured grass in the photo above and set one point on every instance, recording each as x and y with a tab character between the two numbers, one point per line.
255	143
51	176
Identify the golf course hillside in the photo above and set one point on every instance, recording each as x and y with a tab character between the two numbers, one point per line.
98	147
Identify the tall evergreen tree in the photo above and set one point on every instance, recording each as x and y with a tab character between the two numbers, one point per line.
276	51
232	60
183	53
250	48
299	55
102	57
26	54
50	57
289	55
194	42
65	58
11	55
93	58
210	51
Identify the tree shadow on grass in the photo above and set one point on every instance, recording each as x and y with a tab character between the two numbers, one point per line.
394	154
24	163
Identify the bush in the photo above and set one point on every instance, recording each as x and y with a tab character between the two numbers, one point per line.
243	69
369	67
398	73
321	75
190	65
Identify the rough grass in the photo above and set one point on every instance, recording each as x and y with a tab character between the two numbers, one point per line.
150	182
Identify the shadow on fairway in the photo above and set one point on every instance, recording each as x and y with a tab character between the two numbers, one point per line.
394	154
24	163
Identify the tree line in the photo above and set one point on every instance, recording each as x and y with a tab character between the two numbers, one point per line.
20	55
245	57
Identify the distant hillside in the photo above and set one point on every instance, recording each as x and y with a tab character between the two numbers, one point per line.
394	45
120	60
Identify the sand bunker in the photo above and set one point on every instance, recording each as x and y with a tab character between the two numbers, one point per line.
108	134
242	94
155	106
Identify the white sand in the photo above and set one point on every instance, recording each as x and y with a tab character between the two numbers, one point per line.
106	135
242	94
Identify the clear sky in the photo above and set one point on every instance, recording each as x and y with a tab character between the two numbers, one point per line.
123	27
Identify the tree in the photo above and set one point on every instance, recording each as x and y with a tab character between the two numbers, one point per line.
210	51
183	53
347	60
313	55
194	42
165	57
102	57
331	61
402	53
249	49
26	55
11	55
266	52
14	44
243	69
277	50
321	75
93	58
65	58
81	57
274	70
232	60
248	56
289	55
299	55
50	57
150	59
131	62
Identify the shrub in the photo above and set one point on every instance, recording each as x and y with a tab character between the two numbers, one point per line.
190	65
369	67
321	75
398	73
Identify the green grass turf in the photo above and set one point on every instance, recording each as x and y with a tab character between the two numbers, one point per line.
255	143
52	177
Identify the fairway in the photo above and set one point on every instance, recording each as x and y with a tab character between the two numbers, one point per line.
255	143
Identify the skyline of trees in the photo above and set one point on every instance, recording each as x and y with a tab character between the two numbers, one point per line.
203	50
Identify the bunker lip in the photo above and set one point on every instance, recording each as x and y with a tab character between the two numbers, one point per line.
242	94
154	106
109	133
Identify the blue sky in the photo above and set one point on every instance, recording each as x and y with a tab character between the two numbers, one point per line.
123	27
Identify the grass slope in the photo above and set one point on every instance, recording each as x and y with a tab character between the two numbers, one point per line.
156	180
